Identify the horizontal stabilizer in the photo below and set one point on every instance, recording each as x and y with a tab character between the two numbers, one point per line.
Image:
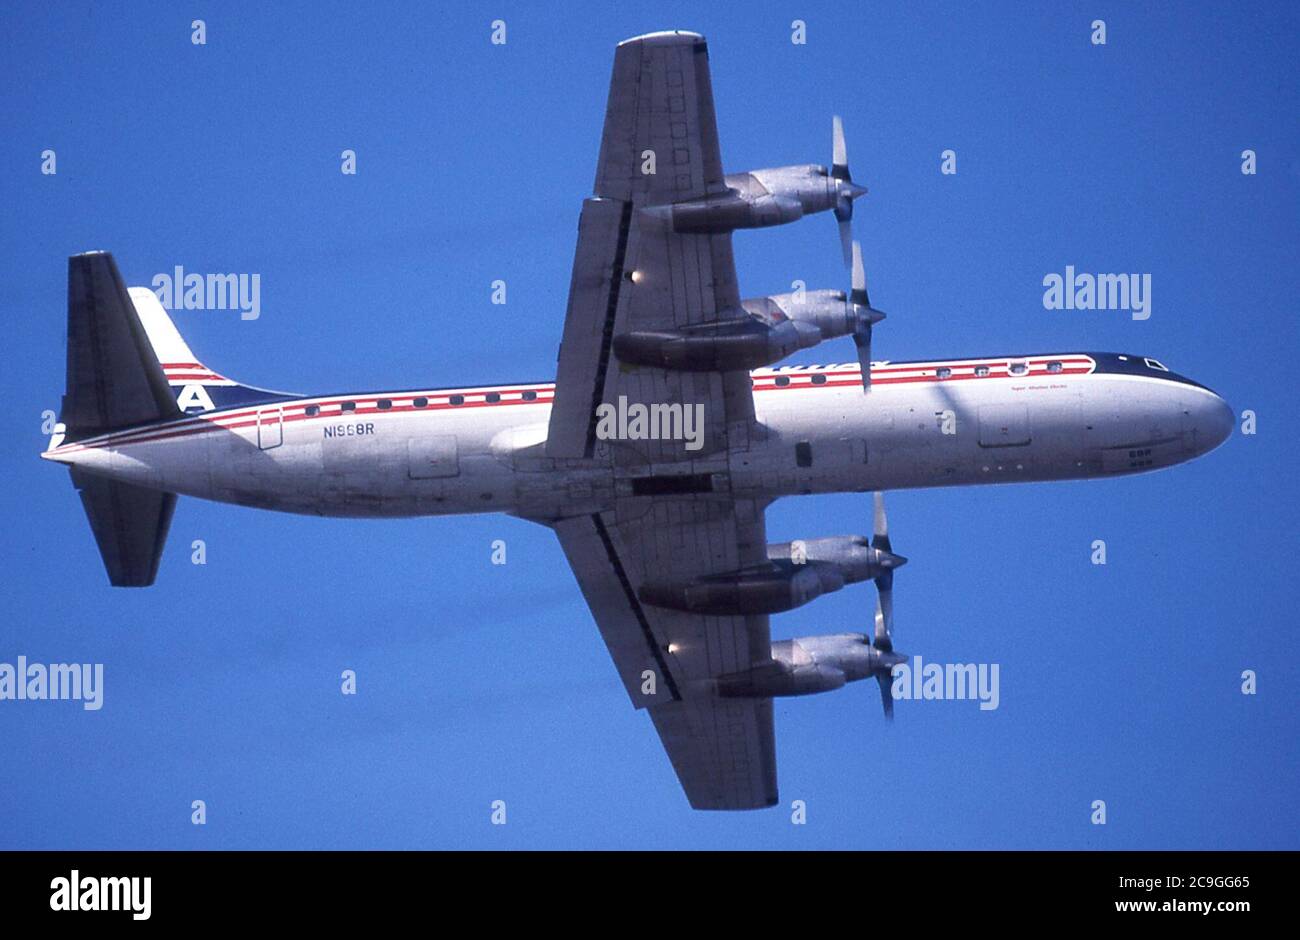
130	525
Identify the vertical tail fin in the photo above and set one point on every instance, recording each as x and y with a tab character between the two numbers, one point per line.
195	387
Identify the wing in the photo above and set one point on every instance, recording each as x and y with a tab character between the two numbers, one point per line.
723	750
632	272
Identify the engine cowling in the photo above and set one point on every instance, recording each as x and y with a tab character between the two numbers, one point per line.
726	213
808	665
768	590
828	310
853	556
761	198
777	683
738	343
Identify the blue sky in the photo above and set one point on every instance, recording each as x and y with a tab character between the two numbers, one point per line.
479	683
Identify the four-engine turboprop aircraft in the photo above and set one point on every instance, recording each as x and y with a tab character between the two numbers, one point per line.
661	513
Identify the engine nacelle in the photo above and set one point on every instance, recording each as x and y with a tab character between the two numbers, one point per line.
775	683
828	310
852	556
809	665
759	199
768	590
728	212
740	343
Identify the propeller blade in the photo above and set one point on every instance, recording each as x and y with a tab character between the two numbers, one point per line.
845	189
883	639
886	683
885	594
862	339
859	292
884	580
880	530
862	333
865	314
839	151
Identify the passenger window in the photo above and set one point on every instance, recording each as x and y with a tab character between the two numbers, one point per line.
803	454
944	373
982	371
1018	368
348	406
420	402
1054	367
783	380
819	379
530	395
457	399
385	403
493	396
312	410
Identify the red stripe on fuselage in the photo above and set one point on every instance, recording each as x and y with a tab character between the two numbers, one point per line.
800	376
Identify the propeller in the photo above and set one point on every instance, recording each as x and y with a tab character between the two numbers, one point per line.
866	316
846	189
883	638
884	673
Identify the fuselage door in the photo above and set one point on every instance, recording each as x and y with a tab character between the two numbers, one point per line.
270	427
432	457
1004	425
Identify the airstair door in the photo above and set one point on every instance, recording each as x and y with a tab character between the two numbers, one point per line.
270	427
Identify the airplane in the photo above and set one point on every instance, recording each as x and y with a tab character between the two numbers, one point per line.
661	513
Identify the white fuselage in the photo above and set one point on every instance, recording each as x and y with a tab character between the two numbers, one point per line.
469	450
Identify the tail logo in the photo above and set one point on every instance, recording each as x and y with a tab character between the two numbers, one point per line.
194	396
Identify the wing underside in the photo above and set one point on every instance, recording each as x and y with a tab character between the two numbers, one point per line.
631	271
672	516
723	750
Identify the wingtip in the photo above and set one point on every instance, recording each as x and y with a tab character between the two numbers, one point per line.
664	36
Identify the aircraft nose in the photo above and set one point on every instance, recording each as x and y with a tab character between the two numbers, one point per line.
1215	420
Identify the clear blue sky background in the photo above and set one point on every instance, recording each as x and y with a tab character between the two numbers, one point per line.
479	683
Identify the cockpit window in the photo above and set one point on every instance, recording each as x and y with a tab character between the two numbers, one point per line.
1156	364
